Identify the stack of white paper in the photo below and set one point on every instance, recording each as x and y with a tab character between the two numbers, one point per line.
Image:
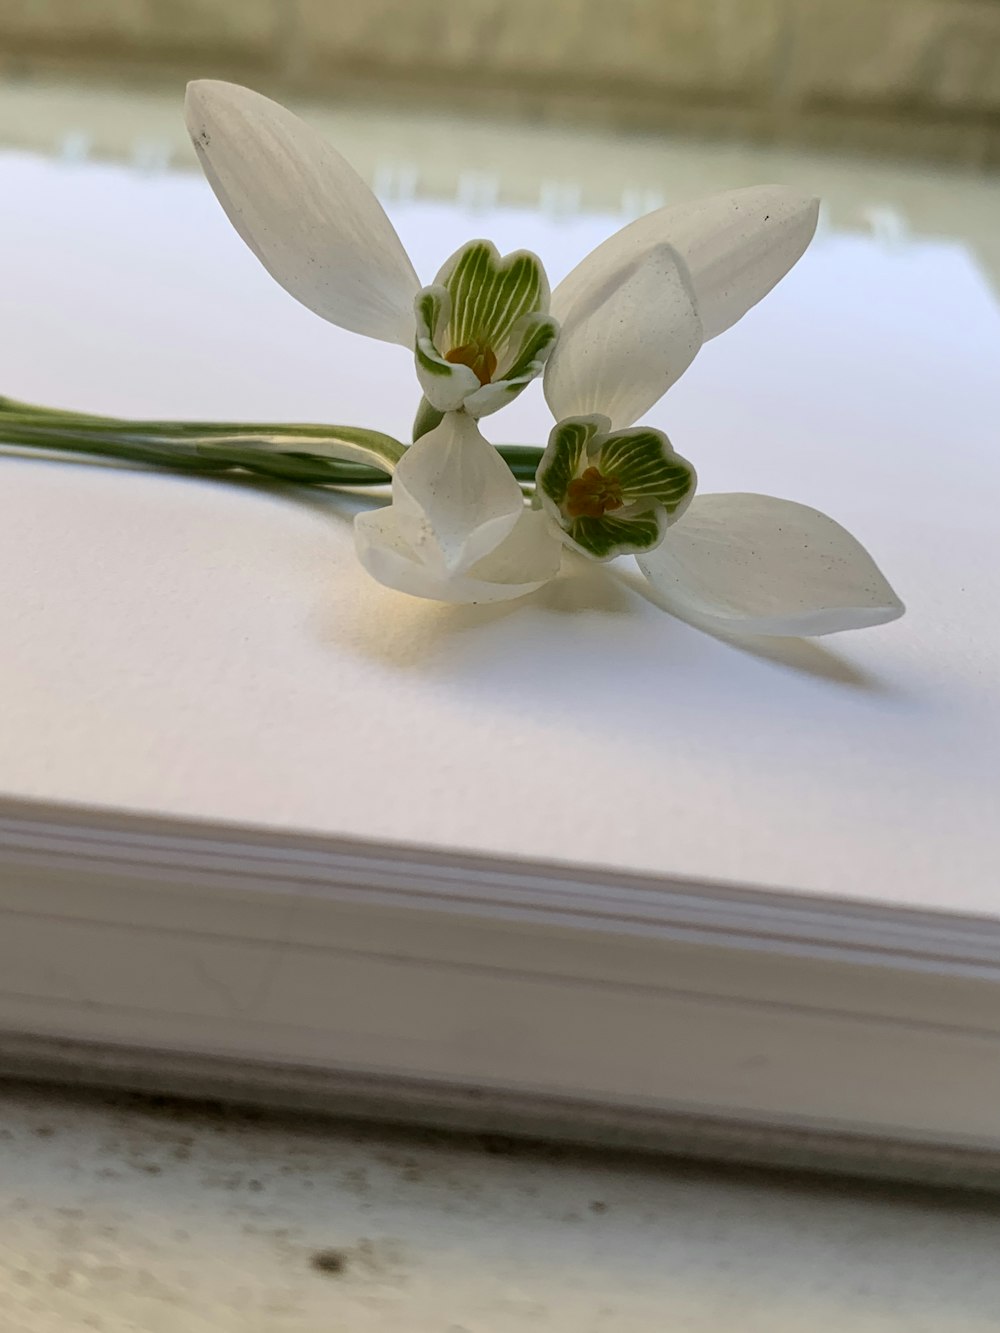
565	851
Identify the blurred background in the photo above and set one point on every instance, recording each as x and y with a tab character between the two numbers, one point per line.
890	109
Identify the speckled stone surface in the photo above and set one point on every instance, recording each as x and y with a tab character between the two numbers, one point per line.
127	1216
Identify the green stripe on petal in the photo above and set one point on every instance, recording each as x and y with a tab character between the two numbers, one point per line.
604	538
565	457
529	346
432	309
531	342
490	294
446	386
612	493
644	464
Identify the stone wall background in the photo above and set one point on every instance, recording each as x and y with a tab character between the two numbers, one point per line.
899	76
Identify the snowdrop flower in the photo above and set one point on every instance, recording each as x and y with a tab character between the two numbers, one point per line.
480	332
634	314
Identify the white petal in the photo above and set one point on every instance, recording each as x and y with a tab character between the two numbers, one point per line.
736	245
527	558
753	564
449	389
454	496
303	210
488	398
625	342
446	385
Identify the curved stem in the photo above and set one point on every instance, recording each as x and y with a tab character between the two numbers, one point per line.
315	455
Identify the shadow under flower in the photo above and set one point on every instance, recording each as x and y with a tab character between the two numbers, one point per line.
411	633
427	627
582	586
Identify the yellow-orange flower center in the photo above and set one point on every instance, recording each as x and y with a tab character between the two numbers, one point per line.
593	494
477	357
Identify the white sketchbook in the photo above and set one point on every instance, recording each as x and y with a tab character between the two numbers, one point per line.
563	864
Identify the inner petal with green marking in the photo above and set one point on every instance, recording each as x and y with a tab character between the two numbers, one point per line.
612	492
483	331
489	294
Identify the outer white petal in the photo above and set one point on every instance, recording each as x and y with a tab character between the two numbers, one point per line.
753	564
304	211
736	245
528	557
454	497
625	341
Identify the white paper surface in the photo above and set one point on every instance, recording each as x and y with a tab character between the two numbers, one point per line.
213	649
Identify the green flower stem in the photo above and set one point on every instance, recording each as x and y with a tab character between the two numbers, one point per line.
14	407
312	457
306	454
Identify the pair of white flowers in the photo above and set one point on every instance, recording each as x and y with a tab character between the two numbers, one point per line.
609	342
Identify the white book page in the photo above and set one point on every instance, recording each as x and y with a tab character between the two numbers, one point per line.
213	649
